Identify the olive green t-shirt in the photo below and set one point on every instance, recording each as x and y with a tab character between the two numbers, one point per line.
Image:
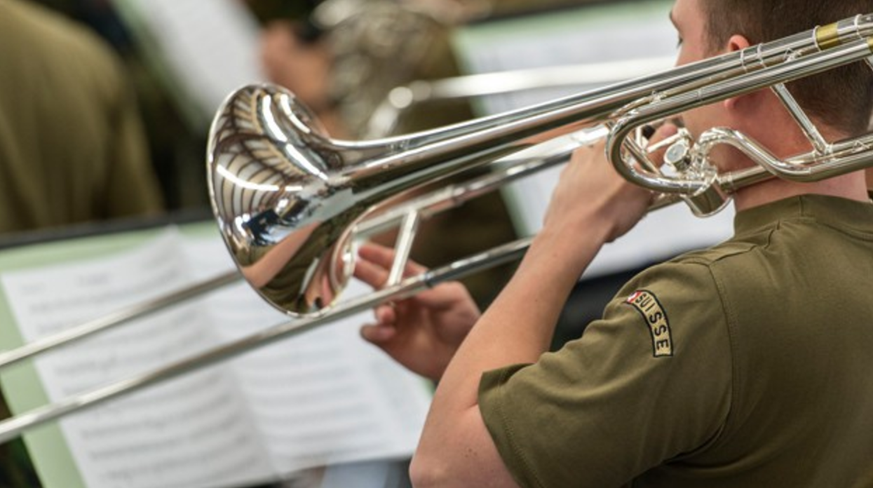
72	147
746	365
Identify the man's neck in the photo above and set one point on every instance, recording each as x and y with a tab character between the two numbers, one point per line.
851	186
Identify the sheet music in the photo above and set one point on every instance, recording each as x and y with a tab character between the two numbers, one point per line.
591	34
323	397
193	431
317	399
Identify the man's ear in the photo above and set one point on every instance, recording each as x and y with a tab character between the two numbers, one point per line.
735	43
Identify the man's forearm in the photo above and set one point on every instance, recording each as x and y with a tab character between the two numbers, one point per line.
517	328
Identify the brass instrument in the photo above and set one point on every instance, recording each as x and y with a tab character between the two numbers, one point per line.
379	44
290	200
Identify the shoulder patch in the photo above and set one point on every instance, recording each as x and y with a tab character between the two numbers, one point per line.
647	304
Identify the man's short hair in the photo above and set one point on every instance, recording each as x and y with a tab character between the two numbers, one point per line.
842	98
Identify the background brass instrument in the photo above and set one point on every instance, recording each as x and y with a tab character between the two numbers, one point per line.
377	45
389	113
290	200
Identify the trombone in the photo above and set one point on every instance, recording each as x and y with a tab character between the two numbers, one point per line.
289	200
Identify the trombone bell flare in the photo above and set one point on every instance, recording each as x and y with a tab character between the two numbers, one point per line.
271	183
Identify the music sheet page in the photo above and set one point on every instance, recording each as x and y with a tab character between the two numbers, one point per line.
189	432
208	47
323	397
318	399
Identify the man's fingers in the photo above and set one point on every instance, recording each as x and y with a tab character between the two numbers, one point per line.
370	273
384	257
385	327
377	254
385	315
378	334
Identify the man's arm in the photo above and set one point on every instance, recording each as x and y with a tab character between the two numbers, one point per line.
592	205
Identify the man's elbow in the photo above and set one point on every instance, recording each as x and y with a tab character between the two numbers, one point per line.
433	471
423	472
459	457
437	472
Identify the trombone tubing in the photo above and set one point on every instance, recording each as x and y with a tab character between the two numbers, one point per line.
839	55
592	107
401	99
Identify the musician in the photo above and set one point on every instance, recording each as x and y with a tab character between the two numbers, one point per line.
744	365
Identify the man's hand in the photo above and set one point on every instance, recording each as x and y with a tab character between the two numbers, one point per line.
423	332
589	184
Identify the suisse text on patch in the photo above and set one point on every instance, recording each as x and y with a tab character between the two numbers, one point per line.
656	318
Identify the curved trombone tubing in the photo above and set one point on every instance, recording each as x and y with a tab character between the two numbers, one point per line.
840	158
824	161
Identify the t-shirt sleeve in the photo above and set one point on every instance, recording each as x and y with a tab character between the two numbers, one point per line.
647	384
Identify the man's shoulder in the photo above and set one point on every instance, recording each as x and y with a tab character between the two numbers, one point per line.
698	261
695	273
731	250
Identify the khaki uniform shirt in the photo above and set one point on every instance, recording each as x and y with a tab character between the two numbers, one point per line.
746	365
72	147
